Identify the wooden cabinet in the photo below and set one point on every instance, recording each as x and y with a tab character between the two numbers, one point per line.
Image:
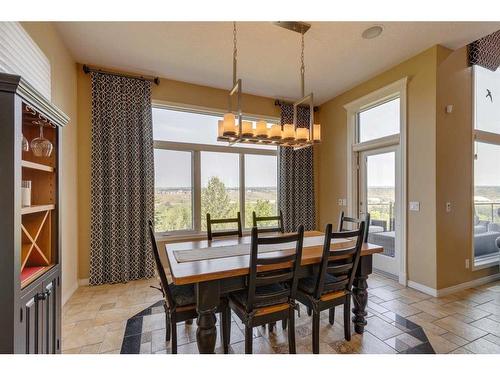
30	234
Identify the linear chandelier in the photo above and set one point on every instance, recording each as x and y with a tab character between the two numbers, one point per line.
234	130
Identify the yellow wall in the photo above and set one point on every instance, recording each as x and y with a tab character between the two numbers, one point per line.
454	171
421	145
64	83
168	91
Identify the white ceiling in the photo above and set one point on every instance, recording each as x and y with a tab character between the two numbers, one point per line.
336	56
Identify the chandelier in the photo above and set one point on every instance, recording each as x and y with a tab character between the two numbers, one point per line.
233	129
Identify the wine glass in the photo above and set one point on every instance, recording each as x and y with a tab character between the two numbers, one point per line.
25	145
41	146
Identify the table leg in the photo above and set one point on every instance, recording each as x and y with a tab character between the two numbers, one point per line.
360	293
207	300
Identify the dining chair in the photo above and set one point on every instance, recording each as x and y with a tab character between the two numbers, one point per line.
180	302
270	292
278	218
332	285
221	233
345	219
279	228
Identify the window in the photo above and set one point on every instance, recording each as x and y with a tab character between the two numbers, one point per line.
173	190
379	121
196	174
261	188
486	214
220	186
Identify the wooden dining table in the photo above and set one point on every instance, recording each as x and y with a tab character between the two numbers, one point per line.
218	275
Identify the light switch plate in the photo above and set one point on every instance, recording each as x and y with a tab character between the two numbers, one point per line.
414	206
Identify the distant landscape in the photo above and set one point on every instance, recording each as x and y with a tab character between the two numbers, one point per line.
173	206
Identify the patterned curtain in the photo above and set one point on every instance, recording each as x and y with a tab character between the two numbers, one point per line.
296	177
486	51
122	185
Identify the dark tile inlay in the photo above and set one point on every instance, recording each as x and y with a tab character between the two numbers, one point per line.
133	336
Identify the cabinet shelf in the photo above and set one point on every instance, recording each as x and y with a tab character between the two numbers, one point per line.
30	274
37	166
35	209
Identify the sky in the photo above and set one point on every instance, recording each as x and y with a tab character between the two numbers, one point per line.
173	168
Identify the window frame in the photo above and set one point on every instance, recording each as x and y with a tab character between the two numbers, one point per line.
354	147
196	149
479	136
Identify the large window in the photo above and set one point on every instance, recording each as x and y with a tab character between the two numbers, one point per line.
486	215
196	175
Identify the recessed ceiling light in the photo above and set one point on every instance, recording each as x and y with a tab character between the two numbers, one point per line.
372	32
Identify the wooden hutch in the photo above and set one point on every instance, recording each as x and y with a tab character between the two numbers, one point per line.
30	254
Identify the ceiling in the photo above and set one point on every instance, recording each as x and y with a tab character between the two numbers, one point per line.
336	56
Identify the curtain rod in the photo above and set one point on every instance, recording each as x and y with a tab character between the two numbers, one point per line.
278	102
87	69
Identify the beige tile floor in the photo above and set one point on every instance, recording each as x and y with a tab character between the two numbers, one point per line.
94	321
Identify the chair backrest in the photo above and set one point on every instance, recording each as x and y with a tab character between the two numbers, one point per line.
288	276
278	218
229	232
159	267
343	269
345	219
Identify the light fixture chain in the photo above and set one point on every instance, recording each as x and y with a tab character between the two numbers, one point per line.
235	53
302	66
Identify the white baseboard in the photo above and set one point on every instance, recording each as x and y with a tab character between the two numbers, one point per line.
68	295
83	282
423	288
455	288
468	284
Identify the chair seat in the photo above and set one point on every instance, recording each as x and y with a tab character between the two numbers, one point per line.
183	295
242	296
308	284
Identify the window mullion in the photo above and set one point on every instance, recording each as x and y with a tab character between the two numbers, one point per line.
196	176
242	189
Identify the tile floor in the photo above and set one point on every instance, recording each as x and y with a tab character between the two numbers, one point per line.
124	318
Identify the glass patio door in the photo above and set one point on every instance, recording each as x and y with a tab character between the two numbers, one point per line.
378	195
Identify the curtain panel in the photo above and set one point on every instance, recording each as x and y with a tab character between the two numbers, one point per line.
486	51
296	177
122	179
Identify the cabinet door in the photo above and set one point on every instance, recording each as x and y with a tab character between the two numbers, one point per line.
51	316
32	322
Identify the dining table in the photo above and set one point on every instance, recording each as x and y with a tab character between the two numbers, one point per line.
219	267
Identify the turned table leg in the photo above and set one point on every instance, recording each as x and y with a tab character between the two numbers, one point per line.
360	293
207	300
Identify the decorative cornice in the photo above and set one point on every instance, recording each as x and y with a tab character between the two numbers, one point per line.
16	84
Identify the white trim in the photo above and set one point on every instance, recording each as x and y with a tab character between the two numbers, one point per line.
423	288
67	296
485	262
455	288
390	140
468	284
183	146
393	90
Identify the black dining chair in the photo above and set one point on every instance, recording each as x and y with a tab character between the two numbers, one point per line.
356	222
180	302
332	285
270	292
227	232
265	229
